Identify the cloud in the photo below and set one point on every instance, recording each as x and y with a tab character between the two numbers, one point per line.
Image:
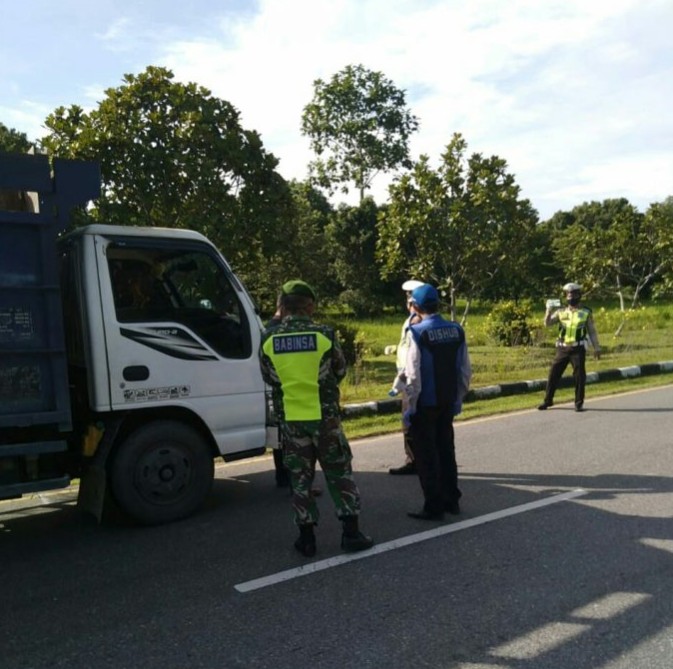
541	84
27	117
571	93
116	32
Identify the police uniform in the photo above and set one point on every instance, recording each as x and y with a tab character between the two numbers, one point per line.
576	329
304	364
438	375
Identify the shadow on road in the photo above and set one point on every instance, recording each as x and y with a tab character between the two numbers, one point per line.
574	585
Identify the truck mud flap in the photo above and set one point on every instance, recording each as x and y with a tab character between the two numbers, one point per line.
91	494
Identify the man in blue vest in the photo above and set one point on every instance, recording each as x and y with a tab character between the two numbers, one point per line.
438	376
576	326
304	364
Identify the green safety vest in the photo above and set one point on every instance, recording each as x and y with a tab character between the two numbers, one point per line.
573	325
296	357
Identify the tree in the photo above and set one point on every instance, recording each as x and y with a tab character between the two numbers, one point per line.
13	141
659	225
462	227
359	126
173	155
301	250
351	238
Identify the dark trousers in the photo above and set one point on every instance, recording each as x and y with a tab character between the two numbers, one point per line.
282	475
576	356
434	450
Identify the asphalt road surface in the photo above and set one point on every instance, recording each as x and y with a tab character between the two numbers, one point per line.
562	558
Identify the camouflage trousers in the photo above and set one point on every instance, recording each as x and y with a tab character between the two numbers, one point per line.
304	444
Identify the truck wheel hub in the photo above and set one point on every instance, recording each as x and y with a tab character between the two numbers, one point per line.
163	474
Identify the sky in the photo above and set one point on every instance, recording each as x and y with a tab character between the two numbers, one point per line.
576	95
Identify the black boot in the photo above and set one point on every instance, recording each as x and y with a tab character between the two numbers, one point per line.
305	543
282	475
406	468
352	540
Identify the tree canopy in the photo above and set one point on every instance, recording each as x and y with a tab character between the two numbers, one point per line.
461	227
13	141
174	155
613	248
359	126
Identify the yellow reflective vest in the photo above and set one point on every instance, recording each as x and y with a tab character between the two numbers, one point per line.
573	325
296	358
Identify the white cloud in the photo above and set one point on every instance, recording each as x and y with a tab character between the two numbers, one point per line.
27	117
115	31
573	94
537	83
644	176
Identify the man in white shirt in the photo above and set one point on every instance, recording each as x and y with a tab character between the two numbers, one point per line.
400	380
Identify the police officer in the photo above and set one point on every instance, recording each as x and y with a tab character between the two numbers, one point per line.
303	363
400	380
576	327
438	375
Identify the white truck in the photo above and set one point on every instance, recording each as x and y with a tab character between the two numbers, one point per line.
128	356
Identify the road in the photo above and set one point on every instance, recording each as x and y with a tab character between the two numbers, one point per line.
562	558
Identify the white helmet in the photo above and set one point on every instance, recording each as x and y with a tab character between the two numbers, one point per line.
572	287
410	285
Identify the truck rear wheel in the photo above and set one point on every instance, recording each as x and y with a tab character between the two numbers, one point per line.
162	472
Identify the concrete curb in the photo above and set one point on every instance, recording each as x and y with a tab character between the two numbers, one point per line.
390	406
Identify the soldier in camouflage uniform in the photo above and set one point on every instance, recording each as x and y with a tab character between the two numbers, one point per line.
303	363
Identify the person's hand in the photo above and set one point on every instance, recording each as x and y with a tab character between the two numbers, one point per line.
406	417
597	354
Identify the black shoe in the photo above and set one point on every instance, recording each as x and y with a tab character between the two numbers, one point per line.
306	548
579	406
305	542
545	405
356	542
426	515
408	468
453	508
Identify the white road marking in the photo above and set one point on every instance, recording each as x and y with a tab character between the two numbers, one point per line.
540	641
337	560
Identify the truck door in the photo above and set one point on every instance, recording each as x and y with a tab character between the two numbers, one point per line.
181	331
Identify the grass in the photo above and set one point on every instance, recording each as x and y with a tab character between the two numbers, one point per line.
645	338
368	426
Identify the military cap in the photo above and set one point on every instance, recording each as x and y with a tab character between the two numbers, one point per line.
298	287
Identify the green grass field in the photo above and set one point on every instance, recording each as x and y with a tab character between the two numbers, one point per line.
647	337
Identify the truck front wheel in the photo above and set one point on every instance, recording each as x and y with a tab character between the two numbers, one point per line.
161	472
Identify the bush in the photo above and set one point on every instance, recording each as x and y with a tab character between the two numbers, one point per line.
352	343
360	302
509	323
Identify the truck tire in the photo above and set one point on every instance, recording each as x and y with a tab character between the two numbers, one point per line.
162	472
